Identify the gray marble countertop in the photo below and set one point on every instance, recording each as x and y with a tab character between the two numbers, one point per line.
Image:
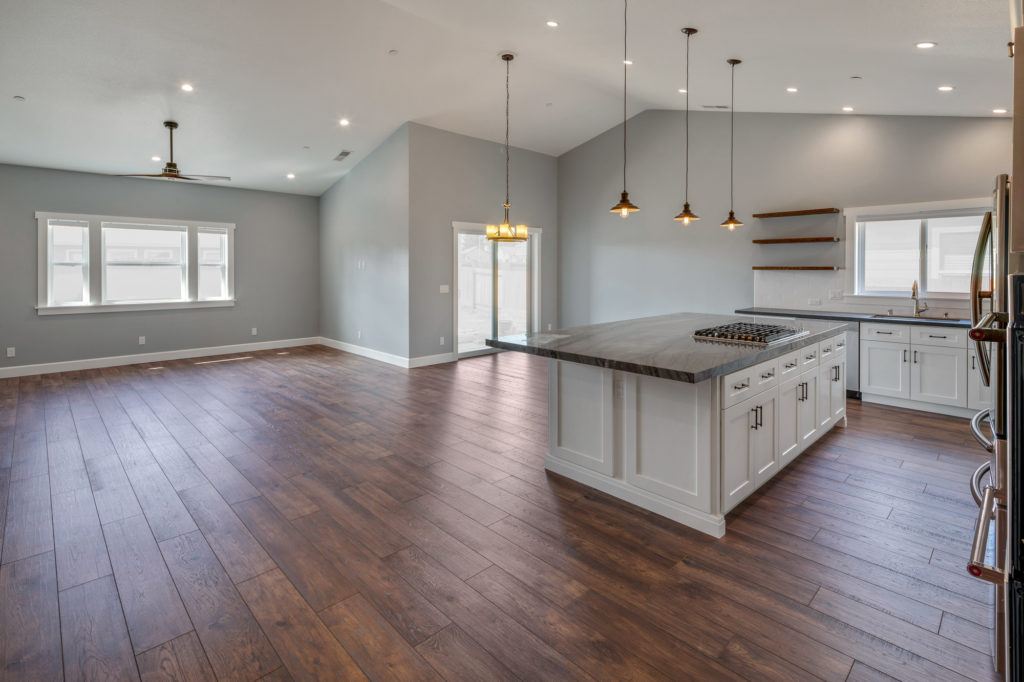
662	346
854	317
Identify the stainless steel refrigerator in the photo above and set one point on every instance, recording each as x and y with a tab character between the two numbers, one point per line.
997	315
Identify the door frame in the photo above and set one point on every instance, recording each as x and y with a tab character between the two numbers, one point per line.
533	279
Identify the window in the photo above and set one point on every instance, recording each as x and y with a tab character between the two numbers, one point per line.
139	264
935	250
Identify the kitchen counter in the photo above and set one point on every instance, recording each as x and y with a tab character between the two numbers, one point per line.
662	346
853	317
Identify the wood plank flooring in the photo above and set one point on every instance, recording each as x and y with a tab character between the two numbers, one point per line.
310	514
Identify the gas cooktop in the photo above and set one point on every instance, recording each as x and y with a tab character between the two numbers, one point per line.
749	333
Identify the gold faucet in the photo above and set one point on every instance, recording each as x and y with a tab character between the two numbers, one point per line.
918	306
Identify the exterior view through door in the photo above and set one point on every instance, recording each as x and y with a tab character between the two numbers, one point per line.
496	287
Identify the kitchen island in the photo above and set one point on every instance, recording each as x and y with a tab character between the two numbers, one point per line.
686	428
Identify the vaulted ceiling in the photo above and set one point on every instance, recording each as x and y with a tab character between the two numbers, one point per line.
272	79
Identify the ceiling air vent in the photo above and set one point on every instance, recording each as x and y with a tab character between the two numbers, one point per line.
342	155
715	106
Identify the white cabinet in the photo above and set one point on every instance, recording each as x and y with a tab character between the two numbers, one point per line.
979	396
749	453
885	368
938	374
788	429
837	390
831	390
807	409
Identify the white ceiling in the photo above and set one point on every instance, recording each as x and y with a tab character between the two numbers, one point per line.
272	77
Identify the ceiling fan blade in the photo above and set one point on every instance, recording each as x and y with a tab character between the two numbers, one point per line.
225	178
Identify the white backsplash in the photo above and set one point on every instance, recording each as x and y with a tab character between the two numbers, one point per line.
782	289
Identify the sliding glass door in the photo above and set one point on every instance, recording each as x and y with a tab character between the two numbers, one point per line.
496	288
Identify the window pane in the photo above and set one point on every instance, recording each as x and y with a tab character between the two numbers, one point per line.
69	257
513	288
951	243
141	264
213	265
891	255
474	294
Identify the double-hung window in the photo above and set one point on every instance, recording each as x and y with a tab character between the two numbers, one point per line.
103	263
933	248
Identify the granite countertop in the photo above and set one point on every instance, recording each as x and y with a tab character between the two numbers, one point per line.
662	346
854	317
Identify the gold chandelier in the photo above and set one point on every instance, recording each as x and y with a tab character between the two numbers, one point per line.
506	231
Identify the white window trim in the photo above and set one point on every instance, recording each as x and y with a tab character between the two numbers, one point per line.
924	210
95	265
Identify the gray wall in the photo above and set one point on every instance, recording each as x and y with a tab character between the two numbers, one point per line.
275	260
364	218
458	178
611	268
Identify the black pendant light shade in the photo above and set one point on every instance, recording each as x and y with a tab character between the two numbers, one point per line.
686	216
732	222
625	206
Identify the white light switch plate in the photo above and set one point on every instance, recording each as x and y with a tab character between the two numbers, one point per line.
10	351
444	289
142	340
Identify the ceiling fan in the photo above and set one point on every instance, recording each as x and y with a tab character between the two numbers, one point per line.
170	171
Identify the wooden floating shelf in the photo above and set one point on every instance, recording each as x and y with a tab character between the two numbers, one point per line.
791	214
797	240
796	267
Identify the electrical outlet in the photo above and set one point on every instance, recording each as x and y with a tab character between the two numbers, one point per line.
835	294
442	340
814	301
10	351
445	289
254	331
142	340
549	326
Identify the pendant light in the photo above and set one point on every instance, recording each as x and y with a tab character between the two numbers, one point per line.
506	231
625	206
686	216
732	222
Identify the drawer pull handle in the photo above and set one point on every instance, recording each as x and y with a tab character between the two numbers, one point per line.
886	333
768	375
809	357
790	365
827	349
937	336
904	355
740	387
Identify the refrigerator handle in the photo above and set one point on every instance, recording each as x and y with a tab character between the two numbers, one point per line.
977	566
977	293
979	435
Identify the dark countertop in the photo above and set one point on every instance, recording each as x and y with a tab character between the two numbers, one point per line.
661	346
853	317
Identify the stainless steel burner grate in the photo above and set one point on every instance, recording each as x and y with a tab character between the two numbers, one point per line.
751	333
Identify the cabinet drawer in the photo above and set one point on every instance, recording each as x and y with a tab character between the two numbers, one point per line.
808	356
939	336
789	364
749	382
830	347
896	333
841	343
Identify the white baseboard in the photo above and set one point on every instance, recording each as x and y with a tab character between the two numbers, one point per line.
949	410
159	356
389	358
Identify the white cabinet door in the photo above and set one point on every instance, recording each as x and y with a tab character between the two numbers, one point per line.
807	409
824	403
837	389
885	368
737	470
938	375
979	396
764	446
789	438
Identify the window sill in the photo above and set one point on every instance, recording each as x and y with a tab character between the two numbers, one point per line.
888	298
131	307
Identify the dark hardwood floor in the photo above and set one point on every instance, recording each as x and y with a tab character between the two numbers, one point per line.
311	514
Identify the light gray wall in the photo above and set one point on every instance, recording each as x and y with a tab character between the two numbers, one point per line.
364	218
458	178
275	260
611	268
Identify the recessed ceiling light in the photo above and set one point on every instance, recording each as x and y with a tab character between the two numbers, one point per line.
552	24
154	158
847	109
792	90
344	122
290	176
19	98
999	111
627	62
682	91
945	88
392	52
187	87
926	45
